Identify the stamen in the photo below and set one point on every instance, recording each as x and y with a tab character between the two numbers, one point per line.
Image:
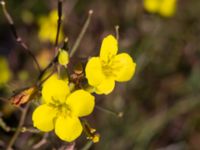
90	132
61	108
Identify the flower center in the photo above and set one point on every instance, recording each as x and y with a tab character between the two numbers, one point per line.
110	67
107	67
62	109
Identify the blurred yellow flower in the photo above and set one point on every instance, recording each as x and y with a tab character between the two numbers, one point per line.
165	8
103	71
61	109
48	27
5	73
44	56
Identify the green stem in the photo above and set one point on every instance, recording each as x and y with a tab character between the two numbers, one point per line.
116	114
87	145
117	32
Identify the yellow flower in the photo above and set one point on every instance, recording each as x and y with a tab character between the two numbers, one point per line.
61	109
44	56
165	8
103	71
48	27
5	73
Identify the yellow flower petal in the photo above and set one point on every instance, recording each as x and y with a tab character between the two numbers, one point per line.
168	8
68	128
53	16
94	72
106	86
81	103
55	90
124	67
43	118
63	57
152	5
109	48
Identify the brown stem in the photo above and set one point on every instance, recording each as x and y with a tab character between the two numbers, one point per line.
14	32
59	22
42	81
41	142
49	66
54	60
21	122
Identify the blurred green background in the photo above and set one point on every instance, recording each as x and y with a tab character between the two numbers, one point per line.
161	104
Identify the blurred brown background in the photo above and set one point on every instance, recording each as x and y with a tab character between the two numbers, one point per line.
161	104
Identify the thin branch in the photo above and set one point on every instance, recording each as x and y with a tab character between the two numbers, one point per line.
117	32
41	142
80	36
18	131
116	114
65	44
4	126
55	59
70	146
41	82
31	130
60	2
87	145
14	32
49	66
5	100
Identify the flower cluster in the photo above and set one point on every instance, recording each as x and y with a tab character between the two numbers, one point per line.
165	8
63	105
